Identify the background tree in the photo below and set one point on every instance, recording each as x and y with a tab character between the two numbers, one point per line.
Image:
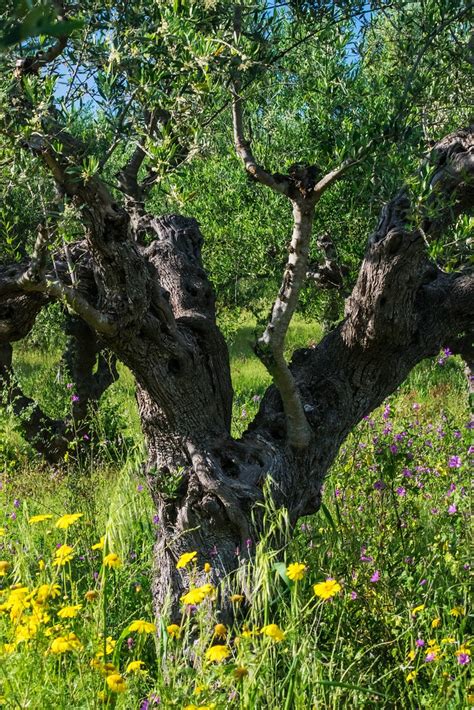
160	79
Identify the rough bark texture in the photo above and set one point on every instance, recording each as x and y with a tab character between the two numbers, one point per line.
153	307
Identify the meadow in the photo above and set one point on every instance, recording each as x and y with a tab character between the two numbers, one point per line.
365	605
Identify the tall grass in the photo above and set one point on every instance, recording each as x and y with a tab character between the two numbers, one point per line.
393	534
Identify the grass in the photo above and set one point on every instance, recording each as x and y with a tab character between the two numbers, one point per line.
392	533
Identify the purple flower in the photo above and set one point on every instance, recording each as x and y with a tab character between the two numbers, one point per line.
430	657
463	659
434	511
454	462
376	576
256	398
420	643
86	437
244	413
452	509
139	488
156	520
130	643
422	582
16	503
401	491
416	406
248	542
13	515
379	485
337	492
353	595
74	398
394	448
70	385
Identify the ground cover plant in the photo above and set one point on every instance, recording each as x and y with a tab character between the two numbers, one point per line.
367	606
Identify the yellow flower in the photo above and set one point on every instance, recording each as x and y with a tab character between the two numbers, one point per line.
47	591
448	639
457	611
200	707
240	672
411	655
248	633
295	571
63	554
463	649
217	653
116	683
220	631
3	532
112	561
273	631
4	567
109	647
174	631
39	519
436	623
197	595
69	612
415	611
62	644
66	520
327	589
41	565
99	545
236	598
142	627
411	676
185	559
135	667
207	567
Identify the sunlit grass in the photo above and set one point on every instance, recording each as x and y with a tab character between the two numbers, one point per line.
393	534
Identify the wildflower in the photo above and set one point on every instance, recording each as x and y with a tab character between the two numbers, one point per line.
376	576
353	595
39	519
436	623
236	598
452	509
457	611
47	591
220	631
91	595
217	653
196	595
415	611
420	643
430	656
142	627
112	561
240	672
116	683
135	667
174	631
3	532
69	612
41	565
4	567
110	644
273	631
66	520
99	545
295	571
327	589
463	659
185	559
62	644
411	655
207	567
454	462
411	676
63	554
